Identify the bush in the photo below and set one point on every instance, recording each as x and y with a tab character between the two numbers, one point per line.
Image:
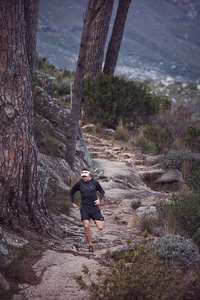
61	87
147	223
184	209
136	204
174	159
193	138
138	275
187	212
161	138
177	123
61	79
193	180
106	100
166	104
121	133
176	251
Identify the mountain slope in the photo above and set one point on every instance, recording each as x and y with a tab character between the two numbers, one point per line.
161	38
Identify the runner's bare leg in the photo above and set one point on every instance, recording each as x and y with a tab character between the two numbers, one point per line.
99	224
86	225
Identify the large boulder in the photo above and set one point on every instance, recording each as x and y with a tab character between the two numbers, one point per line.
172	175
153	160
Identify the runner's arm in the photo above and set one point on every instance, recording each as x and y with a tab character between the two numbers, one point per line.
100	190
75	189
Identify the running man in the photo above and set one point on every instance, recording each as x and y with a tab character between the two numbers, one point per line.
89	209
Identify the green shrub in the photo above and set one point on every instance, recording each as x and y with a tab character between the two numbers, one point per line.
147	223
193	181
192	289
6	294
176	251
65	206
174	159
61	87
161	138
106	100
196	237
141	141
166	103
122	133
193	138
186	211
137	275
61	79
136	204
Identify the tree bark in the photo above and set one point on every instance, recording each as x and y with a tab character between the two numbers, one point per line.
98	35
21	199
90	14
116	37
31	8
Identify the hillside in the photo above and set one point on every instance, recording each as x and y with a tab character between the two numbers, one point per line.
48	267
161	38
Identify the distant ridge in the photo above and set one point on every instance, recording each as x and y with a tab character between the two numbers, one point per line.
161	39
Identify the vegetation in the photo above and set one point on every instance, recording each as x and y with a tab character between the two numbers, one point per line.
107	100
122	133
136	204
61	80
19	269
147	223
176	251
138	273
160	137
184	209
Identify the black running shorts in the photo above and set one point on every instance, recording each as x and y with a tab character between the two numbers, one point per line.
93	213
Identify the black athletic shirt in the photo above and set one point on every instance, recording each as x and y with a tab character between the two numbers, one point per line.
88	191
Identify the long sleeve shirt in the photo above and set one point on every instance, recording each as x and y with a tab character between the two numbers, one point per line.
88	191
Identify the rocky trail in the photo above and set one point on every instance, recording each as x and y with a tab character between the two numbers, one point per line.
120	169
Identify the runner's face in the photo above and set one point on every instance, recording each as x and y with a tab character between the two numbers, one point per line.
85	178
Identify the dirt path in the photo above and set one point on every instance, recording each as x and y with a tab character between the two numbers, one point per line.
118	170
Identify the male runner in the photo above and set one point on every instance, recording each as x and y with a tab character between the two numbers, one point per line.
88	188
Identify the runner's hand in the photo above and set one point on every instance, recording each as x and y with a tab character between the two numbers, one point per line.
75	206
97	202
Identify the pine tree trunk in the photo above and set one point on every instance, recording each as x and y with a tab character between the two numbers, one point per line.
116	37
31	8
90	14
98	35
21	199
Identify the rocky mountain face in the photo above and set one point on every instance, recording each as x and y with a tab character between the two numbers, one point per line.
51	126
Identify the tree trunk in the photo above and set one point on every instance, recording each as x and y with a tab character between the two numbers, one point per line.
116	37
98	35
90	14
31	8
21	199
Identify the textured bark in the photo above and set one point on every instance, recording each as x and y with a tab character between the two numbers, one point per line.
116	37
21	200
90	14
31	8
98	35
